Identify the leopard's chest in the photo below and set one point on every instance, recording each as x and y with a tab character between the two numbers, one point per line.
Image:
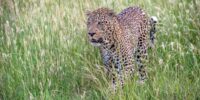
106	57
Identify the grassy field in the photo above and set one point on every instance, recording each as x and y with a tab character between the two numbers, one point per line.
45	54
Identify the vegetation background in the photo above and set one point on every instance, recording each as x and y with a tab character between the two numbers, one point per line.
44	52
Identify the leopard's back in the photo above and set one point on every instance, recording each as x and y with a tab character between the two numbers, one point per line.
135	24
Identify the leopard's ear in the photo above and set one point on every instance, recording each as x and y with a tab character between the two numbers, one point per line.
111	13
88	13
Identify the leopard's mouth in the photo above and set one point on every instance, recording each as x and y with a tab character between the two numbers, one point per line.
96	42
100	40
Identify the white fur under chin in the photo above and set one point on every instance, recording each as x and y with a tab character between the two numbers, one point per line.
96	44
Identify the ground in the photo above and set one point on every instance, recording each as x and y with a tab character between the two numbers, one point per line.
45	54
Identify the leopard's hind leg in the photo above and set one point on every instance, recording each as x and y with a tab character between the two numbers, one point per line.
141	56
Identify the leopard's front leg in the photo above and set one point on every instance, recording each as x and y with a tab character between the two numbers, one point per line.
107	60
117	71
110	66
124	66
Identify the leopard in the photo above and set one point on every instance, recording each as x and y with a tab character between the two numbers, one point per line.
122	40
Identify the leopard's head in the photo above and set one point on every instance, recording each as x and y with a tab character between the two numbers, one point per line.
100	26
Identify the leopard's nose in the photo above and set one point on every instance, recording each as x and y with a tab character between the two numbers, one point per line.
91	33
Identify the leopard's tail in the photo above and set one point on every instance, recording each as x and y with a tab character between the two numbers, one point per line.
153	21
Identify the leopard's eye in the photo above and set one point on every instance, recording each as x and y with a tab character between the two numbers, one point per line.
88	23
99	23
100	26
106	22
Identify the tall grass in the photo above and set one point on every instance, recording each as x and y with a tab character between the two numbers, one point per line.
44	52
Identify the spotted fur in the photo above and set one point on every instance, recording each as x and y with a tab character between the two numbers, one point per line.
122	40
